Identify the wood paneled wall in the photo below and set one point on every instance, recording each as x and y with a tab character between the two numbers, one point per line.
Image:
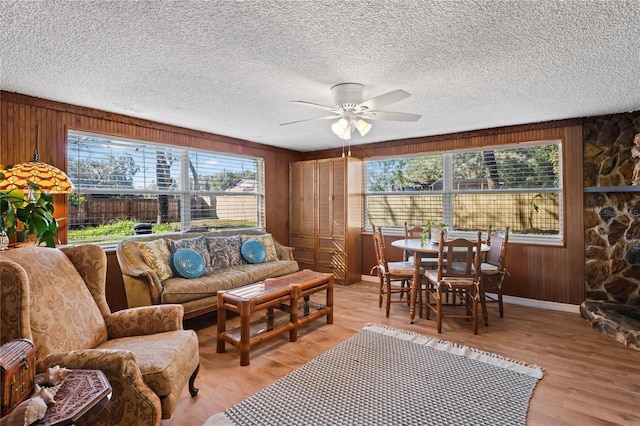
537	272
19	114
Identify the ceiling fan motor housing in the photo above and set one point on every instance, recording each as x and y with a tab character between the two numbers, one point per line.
347	95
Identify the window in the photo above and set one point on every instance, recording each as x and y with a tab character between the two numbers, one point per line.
120	183
516	186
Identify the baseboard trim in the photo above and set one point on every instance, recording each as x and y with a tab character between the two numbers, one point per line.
543	304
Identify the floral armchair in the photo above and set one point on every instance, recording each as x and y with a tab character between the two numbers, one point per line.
56	297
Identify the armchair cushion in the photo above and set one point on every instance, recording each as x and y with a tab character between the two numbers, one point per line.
161	358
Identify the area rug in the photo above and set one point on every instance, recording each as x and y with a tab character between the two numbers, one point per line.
384	376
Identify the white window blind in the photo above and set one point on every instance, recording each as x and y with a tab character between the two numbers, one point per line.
120	183
516	186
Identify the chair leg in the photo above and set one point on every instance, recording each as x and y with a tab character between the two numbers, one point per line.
500	307
420	314
380	291
193	391
483	302
439	309
474	305
388	296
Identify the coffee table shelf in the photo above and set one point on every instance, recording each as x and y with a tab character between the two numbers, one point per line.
288	303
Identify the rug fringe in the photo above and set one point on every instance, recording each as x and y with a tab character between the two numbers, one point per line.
461	350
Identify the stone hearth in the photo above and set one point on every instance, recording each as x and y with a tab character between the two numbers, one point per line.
612	226
621	322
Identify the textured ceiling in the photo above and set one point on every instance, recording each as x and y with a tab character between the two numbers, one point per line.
231	68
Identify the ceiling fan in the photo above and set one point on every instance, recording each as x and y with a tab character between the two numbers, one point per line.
350	109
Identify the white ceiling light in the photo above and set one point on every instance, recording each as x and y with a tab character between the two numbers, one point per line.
339	128
350	108
363	127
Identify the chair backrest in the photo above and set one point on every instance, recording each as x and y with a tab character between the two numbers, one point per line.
14	302
488	240
64	314
411	233
379	247
459	258
498	248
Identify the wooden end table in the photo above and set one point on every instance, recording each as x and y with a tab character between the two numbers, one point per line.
83	394
290	294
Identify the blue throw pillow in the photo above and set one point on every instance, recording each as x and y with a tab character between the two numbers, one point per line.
253	251
187	263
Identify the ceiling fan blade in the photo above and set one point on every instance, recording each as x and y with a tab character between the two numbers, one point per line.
326	117
385	99
311	104
391	116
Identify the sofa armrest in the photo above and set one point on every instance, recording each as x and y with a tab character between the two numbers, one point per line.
145	320
284	252
142	285
132	401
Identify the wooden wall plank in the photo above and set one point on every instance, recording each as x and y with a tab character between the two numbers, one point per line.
539	272
18	144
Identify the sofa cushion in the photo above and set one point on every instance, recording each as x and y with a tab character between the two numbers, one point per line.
187	263
180	290
198	244
156	254
267	241
253	251
224	251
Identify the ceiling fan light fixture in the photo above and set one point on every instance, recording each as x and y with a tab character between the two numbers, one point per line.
340	127
346	134
363	127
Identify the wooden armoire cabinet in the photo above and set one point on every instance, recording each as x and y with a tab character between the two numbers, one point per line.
325	216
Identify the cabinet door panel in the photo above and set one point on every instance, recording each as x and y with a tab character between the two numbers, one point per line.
304	255
325	202
338	273
331	243
301	242
302	198
338	196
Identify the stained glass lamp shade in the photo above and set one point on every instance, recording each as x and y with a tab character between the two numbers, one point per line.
49	178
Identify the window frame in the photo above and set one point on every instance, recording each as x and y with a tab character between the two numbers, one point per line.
184	192
447	207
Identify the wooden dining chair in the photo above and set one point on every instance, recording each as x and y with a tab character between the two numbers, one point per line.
427	260
459	276
393	276
493	271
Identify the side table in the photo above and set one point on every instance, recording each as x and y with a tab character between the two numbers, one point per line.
83	394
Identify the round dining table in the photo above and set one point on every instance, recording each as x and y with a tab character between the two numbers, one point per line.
416	247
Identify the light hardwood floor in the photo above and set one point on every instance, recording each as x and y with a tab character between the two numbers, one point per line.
589	379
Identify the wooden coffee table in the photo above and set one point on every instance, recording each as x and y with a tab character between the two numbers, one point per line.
289	303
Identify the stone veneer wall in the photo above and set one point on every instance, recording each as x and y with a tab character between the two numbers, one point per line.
612	219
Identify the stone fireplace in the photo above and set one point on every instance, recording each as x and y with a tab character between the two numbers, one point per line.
612	226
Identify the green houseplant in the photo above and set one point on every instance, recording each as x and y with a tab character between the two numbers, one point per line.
426	230
30	214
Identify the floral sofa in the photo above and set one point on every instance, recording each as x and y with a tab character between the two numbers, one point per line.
149	279
56	298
